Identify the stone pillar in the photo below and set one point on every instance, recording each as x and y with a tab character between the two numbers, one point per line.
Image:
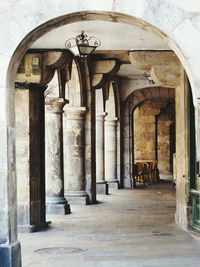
126	148
111	152
102	186
10	252
30	155
182	152
55	201
74	146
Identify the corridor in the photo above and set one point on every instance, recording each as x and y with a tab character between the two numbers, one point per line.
128	228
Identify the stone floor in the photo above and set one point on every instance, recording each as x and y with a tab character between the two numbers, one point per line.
129	228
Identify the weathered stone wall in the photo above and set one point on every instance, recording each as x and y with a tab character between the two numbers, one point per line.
30	145
144	130
166	139
182	161
164	145
152	131
22	154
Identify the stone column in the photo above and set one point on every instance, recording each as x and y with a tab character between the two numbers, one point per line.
10	252
111	152
126	151
55	201
30	156
74	150
102	186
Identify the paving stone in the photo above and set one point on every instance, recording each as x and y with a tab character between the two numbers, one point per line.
130	228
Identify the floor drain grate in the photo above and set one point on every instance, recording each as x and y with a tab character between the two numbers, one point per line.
59	250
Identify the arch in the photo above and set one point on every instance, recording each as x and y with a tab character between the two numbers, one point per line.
73	87
141	95
99	100
53	87
167	20
110	105
129	105
116	89
149	20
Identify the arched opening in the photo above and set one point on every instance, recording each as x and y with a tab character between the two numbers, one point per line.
88	95
153	136
153	141
73	90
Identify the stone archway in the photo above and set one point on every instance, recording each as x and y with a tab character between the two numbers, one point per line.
150	16
135	99
182	172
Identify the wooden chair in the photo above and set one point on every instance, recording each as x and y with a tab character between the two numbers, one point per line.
140	172
146	172
154	171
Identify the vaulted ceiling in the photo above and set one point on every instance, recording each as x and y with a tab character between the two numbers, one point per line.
113	36
116	40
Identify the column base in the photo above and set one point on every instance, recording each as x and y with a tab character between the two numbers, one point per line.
57	205
10	256
127	183
102	188
77	198
113	184
33	227
58	209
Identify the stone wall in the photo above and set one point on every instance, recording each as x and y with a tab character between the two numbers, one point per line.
144	130
182	158
152	132
22	153
165	140
30	156
164	146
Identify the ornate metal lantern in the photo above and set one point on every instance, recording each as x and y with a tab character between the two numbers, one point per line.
82	45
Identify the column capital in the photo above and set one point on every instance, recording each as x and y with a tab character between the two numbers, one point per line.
55	105
111	120
74	112
101	115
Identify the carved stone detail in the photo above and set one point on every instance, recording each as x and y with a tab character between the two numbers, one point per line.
164	67
102	71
